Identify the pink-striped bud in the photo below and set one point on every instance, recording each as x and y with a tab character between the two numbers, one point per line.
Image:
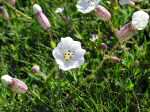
12	2
125	32
41	17
103	13
16	85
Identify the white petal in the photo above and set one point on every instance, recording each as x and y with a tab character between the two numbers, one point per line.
75	45
72	65
86	6
124	2
6	80
58	55
79	54
69	44
37	8
65	43
140	20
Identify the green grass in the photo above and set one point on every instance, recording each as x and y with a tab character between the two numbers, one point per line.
98	86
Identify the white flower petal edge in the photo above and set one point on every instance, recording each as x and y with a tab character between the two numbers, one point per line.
86	6
140	20
69	54
124	2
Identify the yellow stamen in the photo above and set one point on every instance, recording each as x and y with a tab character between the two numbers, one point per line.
68	55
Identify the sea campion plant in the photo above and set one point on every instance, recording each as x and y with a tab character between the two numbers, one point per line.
86	6
96	69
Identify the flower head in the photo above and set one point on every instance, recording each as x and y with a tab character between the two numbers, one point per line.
69	54
14	84
86	6
140	20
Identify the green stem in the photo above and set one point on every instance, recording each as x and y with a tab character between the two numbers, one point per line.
17	11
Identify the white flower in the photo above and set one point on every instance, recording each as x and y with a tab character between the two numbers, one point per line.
59	10
86	6
6	80
140	20
69	54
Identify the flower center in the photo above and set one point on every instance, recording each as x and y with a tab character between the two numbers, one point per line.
68	55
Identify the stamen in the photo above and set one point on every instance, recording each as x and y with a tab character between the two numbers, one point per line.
68	55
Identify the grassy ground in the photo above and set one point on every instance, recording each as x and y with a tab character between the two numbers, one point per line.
98	86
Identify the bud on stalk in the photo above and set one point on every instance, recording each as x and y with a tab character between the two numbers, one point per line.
139	21
103	13
104	46
16	85
41	17
125	32
35	69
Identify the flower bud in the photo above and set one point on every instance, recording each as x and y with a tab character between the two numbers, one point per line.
41	17
125	32
4	13
103	13
6	80
35	69
14	84
18	86
104	46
